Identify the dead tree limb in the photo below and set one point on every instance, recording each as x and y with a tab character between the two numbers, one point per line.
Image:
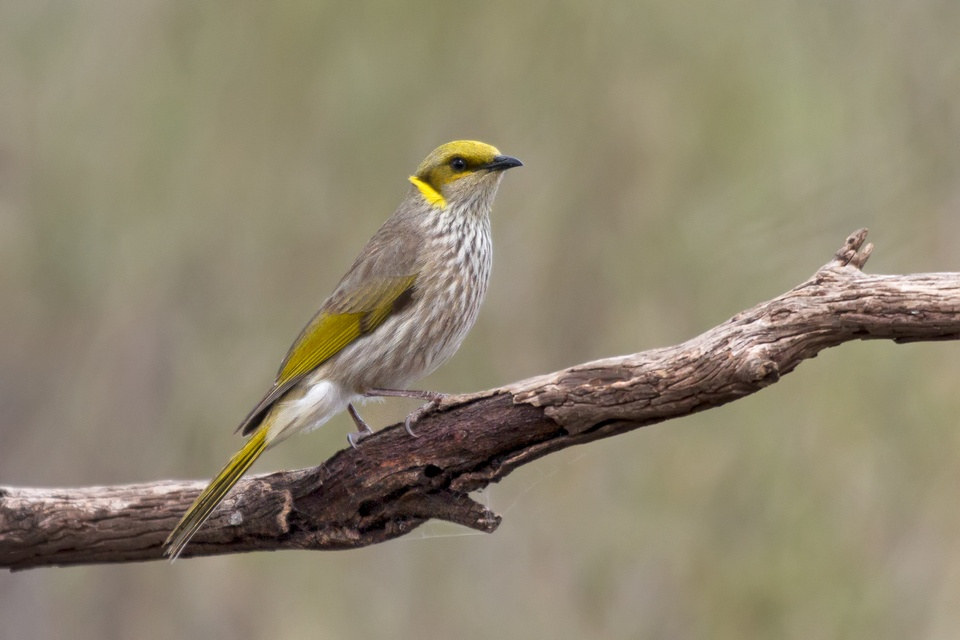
393	483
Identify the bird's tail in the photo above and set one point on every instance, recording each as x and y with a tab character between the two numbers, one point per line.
215	492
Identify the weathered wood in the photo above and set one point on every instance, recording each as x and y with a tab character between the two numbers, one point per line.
393	483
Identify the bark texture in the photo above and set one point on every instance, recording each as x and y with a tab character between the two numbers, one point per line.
393	483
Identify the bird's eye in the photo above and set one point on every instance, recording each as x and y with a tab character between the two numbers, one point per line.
458	164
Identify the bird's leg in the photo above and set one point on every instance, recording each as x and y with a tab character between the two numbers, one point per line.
363	431
433	399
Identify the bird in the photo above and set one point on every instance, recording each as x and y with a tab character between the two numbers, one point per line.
401	310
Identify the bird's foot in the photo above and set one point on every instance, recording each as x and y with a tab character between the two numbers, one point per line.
421	411
433	399
363	429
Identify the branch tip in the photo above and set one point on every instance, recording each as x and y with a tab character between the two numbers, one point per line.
455	507
854	252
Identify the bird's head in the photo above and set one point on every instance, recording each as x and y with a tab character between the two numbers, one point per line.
461	171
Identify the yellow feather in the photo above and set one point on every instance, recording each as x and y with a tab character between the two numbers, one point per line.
429	193
216	491
352	315
326	335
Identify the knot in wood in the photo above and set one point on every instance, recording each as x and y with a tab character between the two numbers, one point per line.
758	369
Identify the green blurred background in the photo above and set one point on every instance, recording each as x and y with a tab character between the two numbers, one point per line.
182	183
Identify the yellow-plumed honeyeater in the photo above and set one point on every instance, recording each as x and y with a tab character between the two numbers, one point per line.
401	311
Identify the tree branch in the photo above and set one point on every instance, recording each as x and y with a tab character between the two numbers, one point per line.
393	483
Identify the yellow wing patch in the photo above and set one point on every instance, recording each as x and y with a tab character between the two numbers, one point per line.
324	336
328	333
351	316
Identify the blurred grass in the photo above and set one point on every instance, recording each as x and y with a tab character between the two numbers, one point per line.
181	184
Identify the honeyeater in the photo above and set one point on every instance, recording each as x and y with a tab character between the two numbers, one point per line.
401	311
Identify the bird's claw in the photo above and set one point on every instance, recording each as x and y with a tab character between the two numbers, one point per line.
421	411
408	428
355	437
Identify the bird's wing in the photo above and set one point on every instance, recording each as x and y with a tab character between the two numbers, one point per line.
345	318
348	314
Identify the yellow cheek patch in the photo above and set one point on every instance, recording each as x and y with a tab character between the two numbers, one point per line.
429	193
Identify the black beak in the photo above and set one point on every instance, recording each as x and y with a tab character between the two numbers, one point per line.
502	163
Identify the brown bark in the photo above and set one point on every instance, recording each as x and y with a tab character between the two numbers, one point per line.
393	483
